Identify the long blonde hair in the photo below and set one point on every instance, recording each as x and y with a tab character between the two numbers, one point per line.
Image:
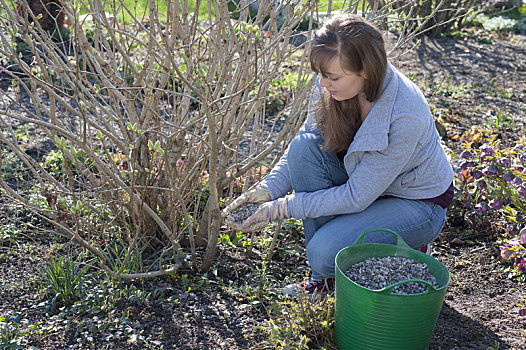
360	47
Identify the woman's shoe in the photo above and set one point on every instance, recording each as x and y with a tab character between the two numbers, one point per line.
426	249
310	287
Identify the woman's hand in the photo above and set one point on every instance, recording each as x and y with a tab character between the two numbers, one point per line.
257	195
266	213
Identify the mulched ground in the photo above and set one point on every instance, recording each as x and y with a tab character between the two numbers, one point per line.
481	306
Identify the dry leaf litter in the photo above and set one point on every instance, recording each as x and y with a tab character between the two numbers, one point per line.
378	273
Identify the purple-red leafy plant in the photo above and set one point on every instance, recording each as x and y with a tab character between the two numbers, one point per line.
490	186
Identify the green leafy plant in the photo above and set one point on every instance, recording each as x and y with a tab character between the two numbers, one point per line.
279	93
10	332
499	120
262	287
193	283
12	169
8	234
55	165
303	323
452	89
63	278
118	258
22	132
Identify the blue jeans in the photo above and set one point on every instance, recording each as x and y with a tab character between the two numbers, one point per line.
312	169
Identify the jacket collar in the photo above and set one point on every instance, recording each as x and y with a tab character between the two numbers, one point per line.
373	133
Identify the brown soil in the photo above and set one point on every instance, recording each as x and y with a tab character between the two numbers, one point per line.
481	306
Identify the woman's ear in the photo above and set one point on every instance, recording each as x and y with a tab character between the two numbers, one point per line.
363	74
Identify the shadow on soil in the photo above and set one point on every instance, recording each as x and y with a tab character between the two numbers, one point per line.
457	331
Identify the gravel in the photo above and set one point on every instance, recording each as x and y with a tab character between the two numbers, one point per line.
378	273
240	214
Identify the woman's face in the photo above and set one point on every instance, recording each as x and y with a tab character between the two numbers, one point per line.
341	84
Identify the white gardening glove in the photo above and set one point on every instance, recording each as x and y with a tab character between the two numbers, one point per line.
257	195
266	213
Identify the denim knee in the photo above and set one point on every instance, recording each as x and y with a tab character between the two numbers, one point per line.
303	146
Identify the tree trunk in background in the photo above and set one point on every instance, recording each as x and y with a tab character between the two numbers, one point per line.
52	11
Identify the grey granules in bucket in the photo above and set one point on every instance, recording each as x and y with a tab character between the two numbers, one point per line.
240	214
378	273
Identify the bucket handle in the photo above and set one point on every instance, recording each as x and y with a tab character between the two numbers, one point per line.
388	289
399	240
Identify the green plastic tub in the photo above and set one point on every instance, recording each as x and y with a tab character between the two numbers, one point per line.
377	319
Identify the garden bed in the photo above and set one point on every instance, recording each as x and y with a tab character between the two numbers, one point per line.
469	80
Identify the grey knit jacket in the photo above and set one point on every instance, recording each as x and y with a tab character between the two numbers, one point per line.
395	152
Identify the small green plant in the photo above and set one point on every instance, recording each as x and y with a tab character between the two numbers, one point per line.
451	89
118	259
10	332
12	168
193	283
239	239
291	242
63	278
262	287
499	120
22	132
53	163
303	323
54	160
9	234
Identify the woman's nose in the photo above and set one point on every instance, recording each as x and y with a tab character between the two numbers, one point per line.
324	82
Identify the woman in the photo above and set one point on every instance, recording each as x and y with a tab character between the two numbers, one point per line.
368	156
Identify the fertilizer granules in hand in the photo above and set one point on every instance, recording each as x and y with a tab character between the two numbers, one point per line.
239	215
378	273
